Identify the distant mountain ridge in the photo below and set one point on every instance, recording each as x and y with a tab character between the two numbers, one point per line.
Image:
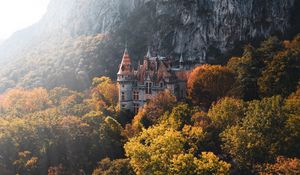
79	39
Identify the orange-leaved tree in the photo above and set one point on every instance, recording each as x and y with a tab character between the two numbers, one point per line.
208	83
21	101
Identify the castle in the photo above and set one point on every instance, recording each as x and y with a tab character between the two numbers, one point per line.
156	74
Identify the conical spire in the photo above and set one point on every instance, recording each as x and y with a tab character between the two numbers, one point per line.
125	66
148	55
126	59
181	62
181	59
126	50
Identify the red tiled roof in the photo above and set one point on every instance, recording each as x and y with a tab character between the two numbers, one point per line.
126	59
156	69
125	66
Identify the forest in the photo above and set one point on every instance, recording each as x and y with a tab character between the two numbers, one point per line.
239	118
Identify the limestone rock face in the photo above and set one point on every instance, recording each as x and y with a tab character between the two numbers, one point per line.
196	25
202	26
220	23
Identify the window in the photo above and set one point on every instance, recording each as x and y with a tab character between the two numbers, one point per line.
161	85
148	88
123	96
123	106
123	85
136	108
136	95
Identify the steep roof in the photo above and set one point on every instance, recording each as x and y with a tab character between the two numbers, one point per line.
125	67
154	69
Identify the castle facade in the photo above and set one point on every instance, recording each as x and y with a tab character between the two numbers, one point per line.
156	74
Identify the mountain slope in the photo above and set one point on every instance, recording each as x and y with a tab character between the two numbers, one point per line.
79	39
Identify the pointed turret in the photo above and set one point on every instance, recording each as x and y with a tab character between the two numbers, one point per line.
181	59
148	55
147	58
125	66
181	62
125	81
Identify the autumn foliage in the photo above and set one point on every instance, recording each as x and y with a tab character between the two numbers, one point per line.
242	118
25	101
208	83
282	165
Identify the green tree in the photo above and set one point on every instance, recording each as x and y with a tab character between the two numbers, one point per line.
281	75
259	137
180	116
223	114
268	49
226	112
247	70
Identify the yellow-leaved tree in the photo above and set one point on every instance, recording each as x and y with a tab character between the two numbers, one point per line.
104	96
161	150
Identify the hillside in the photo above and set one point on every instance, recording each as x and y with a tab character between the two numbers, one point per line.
241	118
78	39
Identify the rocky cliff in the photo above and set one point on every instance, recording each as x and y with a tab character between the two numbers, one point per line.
200	29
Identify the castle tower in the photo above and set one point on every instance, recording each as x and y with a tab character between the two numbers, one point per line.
125	80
